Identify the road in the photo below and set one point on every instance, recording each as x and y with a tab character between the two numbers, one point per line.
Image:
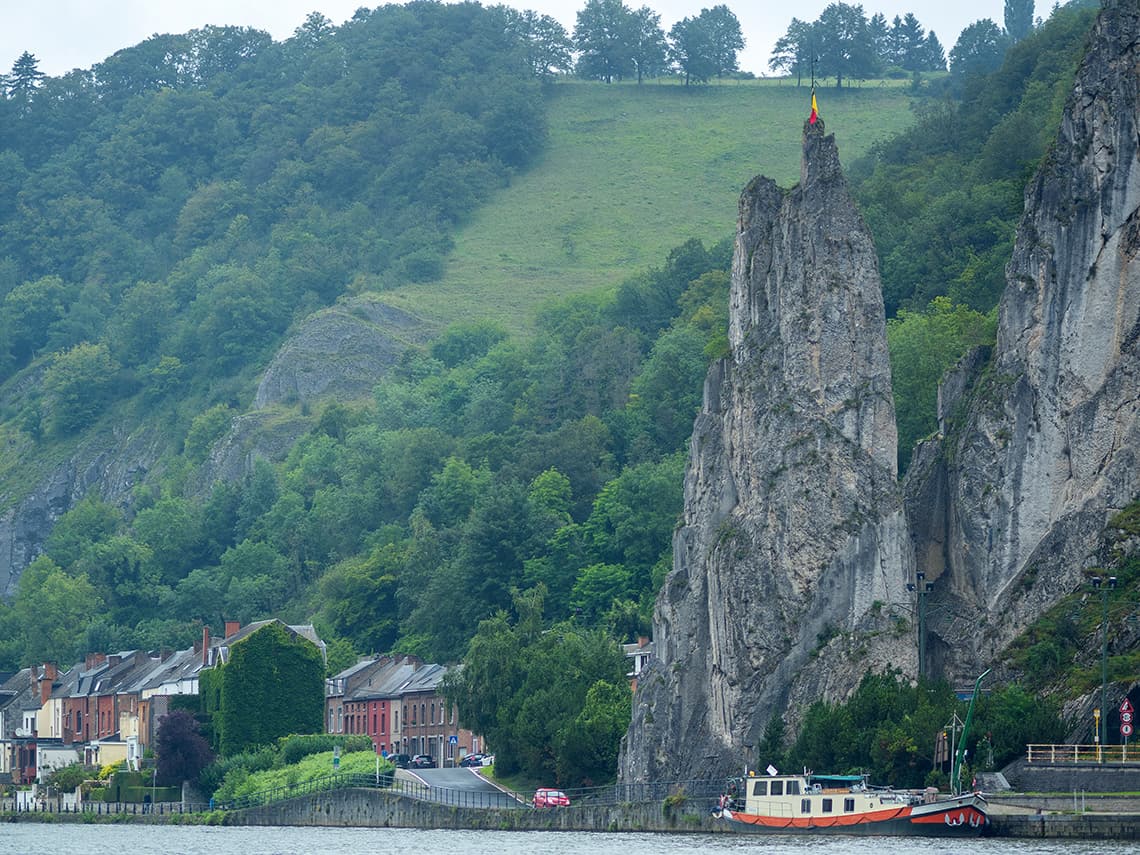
459	786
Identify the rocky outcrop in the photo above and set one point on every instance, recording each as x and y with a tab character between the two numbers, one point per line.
1011	502
111	464
340	352
793	547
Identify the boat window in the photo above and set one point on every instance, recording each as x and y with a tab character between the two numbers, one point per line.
793	788
760	788
849	804
777	788
827	805
805	805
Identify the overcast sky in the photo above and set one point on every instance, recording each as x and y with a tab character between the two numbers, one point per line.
67	34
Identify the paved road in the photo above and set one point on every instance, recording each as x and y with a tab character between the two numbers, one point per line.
460	786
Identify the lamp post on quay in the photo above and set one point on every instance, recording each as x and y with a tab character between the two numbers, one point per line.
922	588
1102	718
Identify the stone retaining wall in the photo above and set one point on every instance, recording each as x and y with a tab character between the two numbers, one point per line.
380	809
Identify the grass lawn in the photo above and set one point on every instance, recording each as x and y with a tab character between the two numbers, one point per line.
629	173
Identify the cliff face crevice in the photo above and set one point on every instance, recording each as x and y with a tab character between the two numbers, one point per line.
793	543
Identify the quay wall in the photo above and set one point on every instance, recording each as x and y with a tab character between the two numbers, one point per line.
376	808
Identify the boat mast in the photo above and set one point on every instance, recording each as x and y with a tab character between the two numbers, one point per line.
956	768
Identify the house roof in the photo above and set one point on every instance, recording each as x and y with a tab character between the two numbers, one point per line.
220	652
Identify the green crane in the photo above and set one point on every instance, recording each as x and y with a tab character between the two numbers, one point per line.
960	755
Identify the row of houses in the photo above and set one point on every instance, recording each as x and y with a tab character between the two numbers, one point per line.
106	709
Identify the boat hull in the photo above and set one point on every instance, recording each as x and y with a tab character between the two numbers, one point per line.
960	817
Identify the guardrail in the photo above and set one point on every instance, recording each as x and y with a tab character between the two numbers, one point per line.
613	794
1060	754
608	795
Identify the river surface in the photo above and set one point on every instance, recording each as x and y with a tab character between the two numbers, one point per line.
33	838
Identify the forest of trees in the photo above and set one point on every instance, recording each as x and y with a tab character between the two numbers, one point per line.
843	43
165	217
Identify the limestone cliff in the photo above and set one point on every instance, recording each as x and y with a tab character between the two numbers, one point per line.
1041	448
793	545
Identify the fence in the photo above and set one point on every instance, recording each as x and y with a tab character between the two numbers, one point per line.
613	794
1060	754
599	796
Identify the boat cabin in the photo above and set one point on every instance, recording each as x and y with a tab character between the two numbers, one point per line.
812	795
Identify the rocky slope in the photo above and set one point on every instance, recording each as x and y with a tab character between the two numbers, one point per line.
339	353
1040	450
793	545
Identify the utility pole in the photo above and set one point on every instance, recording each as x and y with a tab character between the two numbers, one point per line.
1102	718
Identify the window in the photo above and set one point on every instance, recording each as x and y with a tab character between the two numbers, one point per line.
760	788
332	721
848	805
413	715
826	805
777	788
805	805
433	712
383	724
423	713
793	788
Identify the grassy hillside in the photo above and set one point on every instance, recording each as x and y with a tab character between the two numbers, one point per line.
629	173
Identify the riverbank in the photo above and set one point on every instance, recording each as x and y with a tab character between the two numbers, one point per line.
1011	816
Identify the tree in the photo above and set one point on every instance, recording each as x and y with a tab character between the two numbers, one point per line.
23	82
844	43
793	51
934	56
603	36
923	346
1018	19
691	50
180	748
546	45
52	609
650	49
80	383
979	49
725	37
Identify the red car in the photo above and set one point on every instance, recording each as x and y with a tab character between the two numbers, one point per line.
547	797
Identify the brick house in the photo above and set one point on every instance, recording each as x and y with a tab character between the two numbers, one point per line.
397	703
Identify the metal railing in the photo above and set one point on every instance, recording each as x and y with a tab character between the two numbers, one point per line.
1062	754
614	794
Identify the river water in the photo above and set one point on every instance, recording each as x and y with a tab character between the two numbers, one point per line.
33	838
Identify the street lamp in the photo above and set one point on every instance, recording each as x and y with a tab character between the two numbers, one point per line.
1102	722
922	587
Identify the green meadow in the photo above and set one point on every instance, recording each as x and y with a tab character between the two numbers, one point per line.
629	173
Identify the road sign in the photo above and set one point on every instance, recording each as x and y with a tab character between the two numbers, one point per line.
453	739
1126	707
1126	729
1126	717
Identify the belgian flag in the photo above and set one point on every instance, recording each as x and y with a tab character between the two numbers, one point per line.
814	117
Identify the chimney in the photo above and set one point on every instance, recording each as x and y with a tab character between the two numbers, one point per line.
232	627
94	659
642	640
206	645
47	676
